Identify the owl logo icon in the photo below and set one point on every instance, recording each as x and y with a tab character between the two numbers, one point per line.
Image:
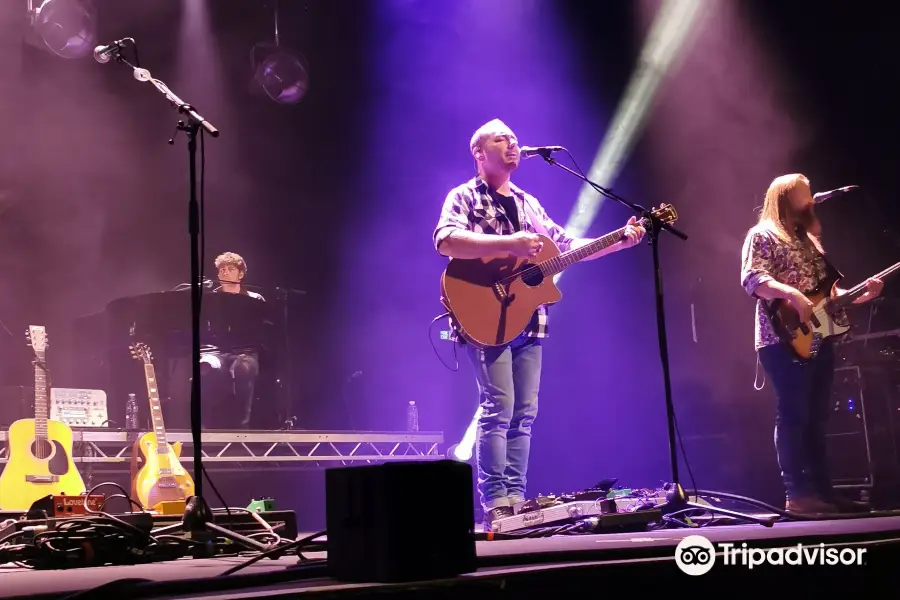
695	555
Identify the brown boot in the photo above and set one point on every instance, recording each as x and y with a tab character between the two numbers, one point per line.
809	505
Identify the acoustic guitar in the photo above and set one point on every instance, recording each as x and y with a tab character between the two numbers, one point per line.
161	478
805	339
493	299
40	450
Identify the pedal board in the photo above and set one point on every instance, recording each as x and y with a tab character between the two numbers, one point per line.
283	522
559	514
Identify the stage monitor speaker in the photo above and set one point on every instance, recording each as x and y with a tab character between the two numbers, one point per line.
400	521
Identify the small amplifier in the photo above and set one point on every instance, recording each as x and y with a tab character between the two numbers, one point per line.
79	408
65	506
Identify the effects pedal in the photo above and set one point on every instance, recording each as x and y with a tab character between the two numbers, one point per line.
65	506
79	408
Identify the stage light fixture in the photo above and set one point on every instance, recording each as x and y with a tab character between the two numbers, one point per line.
459	453
67	28
282	74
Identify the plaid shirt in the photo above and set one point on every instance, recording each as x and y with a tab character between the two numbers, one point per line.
470	207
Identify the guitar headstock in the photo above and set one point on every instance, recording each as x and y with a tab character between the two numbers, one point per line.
665	213
141	351
37	338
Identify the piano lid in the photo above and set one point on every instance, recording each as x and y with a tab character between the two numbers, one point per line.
226	320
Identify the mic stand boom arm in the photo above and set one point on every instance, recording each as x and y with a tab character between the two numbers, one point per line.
197	516
676	500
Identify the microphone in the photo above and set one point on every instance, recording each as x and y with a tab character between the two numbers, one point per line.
102	54
529	151
823	196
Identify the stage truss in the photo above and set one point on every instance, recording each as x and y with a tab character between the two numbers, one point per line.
110	451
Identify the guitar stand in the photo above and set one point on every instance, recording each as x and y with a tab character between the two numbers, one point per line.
676	500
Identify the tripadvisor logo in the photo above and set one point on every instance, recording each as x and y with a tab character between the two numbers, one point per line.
696	555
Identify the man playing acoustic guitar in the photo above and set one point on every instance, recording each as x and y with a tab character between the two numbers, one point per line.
782	258
490	216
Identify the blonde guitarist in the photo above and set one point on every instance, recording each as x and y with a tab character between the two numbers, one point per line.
160	477
783	266
486	218
40	450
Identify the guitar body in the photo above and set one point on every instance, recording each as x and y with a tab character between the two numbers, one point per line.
38	467
161	477
489	313
805	339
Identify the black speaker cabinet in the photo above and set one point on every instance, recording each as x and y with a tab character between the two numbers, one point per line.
400	521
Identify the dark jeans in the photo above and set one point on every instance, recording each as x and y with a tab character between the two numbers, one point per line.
228	388
237	374
803	395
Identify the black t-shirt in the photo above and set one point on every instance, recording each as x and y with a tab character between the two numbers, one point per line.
241	348
509	206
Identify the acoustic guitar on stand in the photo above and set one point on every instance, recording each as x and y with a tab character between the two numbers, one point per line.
161	478
805	339
493	299
40	450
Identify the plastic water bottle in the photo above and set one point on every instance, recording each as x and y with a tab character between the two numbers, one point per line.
412	417
131	413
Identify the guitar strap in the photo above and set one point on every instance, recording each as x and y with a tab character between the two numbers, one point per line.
532	217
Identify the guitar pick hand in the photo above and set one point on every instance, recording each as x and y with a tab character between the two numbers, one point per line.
525	244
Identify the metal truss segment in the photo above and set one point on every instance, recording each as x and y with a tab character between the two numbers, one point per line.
105	450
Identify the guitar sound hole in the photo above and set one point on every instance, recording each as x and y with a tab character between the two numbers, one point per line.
41	448
533	278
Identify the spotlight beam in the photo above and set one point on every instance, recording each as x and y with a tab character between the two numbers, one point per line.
664	43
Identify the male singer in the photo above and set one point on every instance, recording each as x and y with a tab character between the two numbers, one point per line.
485	216
783	258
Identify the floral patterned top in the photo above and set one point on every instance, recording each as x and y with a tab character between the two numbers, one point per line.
766	257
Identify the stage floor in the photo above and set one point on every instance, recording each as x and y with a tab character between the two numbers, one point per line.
499	556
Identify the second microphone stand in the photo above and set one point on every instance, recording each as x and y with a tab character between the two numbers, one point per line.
198	516
676	500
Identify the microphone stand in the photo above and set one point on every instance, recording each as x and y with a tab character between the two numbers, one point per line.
676	500
198	516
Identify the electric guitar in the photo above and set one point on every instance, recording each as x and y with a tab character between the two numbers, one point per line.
40	450
805	339
161	477
493	299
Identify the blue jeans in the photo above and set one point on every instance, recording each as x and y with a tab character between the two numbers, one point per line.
508	381
803	394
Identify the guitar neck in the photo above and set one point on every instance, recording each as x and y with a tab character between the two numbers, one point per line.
156	416
860	289
567	259
41	403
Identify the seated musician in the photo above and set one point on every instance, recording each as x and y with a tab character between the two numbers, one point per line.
239	367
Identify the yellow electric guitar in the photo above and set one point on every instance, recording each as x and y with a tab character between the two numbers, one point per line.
161	478
40	450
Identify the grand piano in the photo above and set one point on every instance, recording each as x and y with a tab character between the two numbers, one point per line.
162	320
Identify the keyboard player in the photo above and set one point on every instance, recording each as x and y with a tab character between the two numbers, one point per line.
235	367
